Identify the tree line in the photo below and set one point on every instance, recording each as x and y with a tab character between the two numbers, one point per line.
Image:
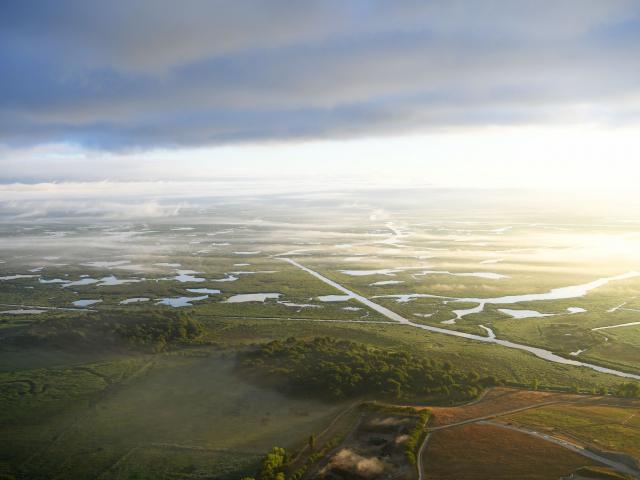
152	331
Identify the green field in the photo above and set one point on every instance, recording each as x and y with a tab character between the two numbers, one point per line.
80	399
75	423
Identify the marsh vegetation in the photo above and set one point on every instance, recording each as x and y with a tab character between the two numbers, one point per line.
185	367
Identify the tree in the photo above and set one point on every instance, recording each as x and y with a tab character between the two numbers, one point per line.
273	464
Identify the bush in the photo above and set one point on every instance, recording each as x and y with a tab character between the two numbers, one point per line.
415	436
273	465
159	330
628	390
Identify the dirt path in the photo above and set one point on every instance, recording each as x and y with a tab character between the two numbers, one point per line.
335	420
307	319
423	447
629	418
497	414
327	456
421	450
46	308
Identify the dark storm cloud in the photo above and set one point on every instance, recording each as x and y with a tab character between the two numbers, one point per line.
162	73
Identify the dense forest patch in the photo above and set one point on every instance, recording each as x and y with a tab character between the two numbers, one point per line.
150	331
335	369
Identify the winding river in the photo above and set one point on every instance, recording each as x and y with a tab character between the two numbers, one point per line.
491	338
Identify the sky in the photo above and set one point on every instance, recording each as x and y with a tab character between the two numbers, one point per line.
468	94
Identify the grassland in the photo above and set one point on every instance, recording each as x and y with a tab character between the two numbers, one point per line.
520	424
480	452
607	425
190	402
